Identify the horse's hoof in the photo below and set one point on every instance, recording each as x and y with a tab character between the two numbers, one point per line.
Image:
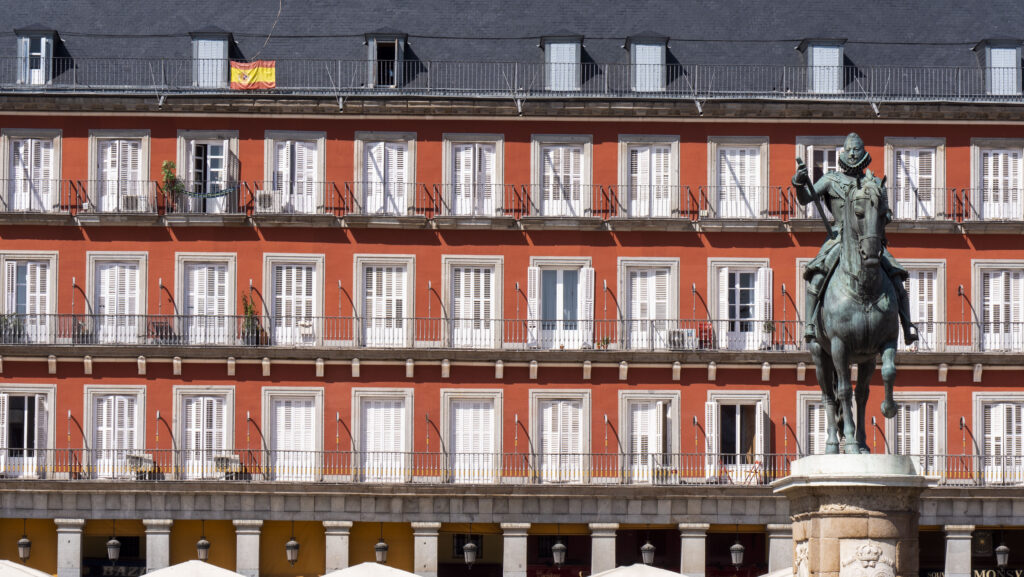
831	448
888	409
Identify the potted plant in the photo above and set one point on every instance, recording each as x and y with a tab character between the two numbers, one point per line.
252	331
172	185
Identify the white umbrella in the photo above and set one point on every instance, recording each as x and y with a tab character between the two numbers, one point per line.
193	568
369	569
638	570
12	569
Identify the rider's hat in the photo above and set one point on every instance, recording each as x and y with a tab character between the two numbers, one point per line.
853	154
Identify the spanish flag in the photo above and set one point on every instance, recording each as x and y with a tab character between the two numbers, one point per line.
259	74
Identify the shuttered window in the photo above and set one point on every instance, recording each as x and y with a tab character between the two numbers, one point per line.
385	178
293	438
562	180
648	438
745	308
817	429
212	166
384	305
1004	71
384	439
120	187
473	306
294	303
295	178
736	439
473	447
32	187
921	288
563	66
1004	442
913	196
210	62
205	433
650	181
475	190
35	59
561	443
24	430
1003	302
1001	184
648	67
560	303
648	305
826	69
115	433
824	159
206	303
116	301
28	297
739	182
917	433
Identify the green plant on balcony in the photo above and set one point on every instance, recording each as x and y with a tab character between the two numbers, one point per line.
252	330
12	329
172	185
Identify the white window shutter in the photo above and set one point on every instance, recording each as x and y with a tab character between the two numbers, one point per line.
374	172
639	181
587	305
763	303
761	441
282	164
816	428
23	60
396	178
532	305
462	176
487	198
4	407
723	307
711	440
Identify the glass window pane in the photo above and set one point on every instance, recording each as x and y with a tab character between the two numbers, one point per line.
549	297
570	294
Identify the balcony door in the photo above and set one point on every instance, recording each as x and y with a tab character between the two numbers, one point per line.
739	182
473	456
1003	460
293	439
913	192
31	187
649	458
28	302
205	435
473	306
561	191
917	436
24	424
921	288
117	302
474	178
650	181
648	303
561	441
294	304
116	433
120	188
1002	317
206	304
736	440
1001	184
385	178
384	440
744	305
209	190
384	306
295	173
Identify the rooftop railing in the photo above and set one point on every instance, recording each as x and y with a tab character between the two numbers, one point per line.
532	79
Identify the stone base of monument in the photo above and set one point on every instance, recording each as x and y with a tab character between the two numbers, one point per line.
854	515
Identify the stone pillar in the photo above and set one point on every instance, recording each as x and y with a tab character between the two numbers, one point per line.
693	538
958	550
247	547
336	535
424	548
780	547
854	515
602	546
158	543
69	547
513	561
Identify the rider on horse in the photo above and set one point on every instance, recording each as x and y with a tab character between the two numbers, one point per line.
834	189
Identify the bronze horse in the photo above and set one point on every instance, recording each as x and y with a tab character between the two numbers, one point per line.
858	320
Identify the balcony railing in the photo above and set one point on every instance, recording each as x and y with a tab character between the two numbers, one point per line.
992	204
207	198
533	79
486	468
745	203
393	198
36	195
303	197
116	196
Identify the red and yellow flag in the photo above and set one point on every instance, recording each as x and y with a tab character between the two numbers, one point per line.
259	74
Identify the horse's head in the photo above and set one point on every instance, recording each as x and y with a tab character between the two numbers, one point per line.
865	223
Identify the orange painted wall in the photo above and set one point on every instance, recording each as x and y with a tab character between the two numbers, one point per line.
42	533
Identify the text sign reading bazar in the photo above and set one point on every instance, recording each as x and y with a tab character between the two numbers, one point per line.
1008	572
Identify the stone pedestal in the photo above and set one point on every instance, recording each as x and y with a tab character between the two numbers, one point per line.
854	515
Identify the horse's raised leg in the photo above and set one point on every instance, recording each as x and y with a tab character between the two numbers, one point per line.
864	372
844	394
888	378
825	372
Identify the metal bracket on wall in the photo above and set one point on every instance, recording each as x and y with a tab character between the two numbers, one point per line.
341	103
700	107
874	106
160	98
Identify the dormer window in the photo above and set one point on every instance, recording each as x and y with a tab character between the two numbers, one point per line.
385	53
824	65
562	62
647	59
35	55
1002	66
210	57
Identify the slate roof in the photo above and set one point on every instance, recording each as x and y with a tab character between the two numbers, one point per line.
904	32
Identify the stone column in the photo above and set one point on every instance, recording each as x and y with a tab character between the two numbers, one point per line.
424	548
69	547
336	535
247	547
958	550
513	561
693	538
158	543
602	546
780	546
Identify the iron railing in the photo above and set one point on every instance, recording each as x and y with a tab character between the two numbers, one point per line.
992	204
394	198
745	203
206	198
116	196
36	195
303	197
532	79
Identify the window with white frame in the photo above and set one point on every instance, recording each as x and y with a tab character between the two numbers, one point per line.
1002	308
650	287
648	59
473	300
1002	67
35	56
206	300
210	60
474	440
26	429
208	165
118	296
918	430
562	428
120	172
562	64
649	173
116	424
560	304
650	419
738	173
812	425
29	280
205	426
294	181
293	418
32	170
384	418
743	290
384	289
385	56
923	286
918	169
736	435
821	153
562	175
296	293
387	172
996	164
1002	442
473	174
825	68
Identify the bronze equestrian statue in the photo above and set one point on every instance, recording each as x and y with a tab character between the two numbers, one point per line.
856	300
